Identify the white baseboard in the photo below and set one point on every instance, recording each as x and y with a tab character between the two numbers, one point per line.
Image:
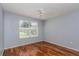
1	53
22	44
39	41
62	45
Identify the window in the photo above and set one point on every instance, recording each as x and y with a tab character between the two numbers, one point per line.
28	29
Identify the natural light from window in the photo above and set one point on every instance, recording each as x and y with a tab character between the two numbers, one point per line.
28	29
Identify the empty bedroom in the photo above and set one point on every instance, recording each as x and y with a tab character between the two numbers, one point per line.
39	29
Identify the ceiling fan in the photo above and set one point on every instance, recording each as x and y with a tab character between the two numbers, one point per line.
41	12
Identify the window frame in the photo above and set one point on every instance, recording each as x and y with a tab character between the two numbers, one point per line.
32	36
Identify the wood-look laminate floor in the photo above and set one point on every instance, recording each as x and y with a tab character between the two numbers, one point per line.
40	49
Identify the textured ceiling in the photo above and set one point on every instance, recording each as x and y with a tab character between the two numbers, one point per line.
48	10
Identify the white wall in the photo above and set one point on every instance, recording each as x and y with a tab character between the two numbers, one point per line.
64	30
1	31
11	36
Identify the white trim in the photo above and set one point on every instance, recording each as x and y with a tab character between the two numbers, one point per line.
62	45
45	41
21	45
26	29
1	53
